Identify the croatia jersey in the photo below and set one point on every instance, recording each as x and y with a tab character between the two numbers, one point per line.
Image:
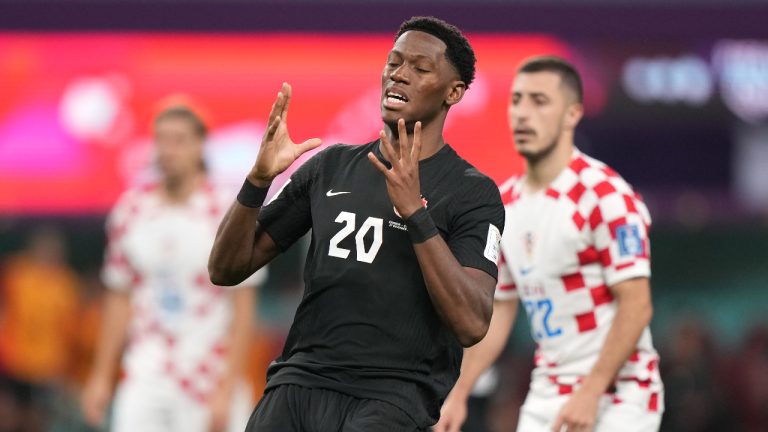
563	247
159	252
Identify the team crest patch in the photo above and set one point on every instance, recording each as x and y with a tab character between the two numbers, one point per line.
492	244
630	243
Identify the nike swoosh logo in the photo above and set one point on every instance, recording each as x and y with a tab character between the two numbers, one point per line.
331	193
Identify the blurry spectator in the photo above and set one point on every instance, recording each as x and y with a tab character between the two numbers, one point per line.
694	399
37	317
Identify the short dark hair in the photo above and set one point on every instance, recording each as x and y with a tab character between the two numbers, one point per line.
184	113
458	50
569	76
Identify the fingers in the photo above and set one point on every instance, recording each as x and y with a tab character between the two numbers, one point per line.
277	107
404	147
447	424
558	425
287	91
271	130
377	163
307	145
388	149
416	147
280	105
563	425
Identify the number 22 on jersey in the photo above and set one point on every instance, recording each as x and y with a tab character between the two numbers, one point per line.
539	312
361	253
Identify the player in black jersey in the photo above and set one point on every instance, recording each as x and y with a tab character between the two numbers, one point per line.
401	269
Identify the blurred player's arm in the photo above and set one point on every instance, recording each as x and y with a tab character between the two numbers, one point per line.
633	297
242	246
476	360
239	335
114	329
633	315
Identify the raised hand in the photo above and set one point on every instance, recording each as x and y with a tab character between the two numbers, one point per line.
403	178
277	150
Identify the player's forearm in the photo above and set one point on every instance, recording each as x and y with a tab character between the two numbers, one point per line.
481	356
237	250
462	297
632	317
114	330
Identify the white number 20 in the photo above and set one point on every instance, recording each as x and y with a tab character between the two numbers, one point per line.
348	219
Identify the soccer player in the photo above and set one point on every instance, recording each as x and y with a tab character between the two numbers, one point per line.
401	269
186	338
576	255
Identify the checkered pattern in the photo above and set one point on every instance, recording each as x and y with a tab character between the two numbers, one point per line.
159	253
562	249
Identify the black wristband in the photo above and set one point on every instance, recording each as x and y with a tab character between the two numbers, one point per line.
251	195
420	225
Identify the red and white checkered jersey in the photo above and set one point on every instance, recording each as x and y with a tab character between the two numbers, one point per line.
562	248
158	251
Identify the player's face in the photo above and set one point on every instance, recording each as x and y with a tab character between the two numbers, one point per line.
418	82
537	112
179	148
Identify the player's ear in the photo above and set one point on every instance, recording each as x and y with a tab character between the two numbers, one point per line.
573	115
455	92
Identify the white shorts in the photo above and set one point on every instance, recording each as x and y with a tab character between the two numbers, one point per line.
160	406
627	411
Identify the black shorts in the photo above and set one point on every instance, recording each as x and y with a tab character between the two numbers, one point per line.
292	408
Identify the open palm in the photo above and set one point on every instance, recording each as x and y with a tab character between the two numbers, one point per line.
277	150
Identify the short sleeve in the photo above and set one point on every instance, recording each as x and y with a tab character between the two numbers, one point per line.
620	232
506	289
117	272
288	215
475	231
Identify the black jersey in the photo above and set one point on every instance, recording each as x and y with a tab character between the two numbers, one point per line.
366	325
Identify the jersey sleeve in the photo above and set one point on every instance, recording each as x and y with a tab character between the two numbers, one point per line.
118	273
506	289
620	231
475	231
288	216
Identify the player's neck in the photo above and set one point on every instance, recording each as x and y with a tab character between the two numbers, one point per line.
543	171
431	139
178	189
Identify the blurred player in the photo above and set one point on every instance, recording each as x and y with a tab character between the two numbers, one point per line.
401	269
576	255
186	338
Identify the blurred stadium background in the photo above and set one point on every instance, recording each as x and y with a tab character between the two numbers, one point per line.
677	101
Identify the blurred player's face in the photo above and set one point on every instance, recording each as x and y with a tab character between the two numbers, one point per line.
539	112
179	148
418	82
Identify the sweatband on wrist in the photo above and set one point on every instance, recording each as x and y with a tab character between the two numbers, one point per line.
251	195
420	225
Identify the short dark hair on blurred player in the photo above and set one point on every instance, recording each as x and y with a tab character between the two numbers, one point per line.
458	50
568	74
184	113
